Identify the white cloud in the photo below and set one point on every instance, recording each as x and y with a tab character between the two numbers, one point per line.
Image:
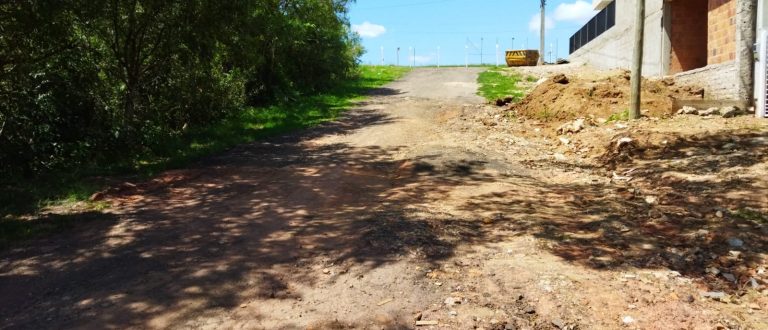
369	30
420	59
535	23
578	12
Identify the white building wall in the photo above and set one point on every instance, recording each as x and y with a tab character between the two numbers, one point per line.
613	49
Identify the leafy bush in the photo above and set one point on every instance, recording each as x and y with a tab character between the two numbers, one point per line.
84	83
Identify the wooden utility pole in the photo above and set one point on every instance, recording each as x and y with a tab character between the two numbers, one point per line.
637	62
541	32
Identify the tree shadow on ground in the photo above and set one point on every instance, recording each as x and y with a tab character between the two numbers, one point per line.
250	223
690	205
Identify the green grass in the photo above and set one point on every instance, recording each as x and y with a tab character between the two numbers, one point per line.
619	116
22	201
495	84
488	66
751	215
258	123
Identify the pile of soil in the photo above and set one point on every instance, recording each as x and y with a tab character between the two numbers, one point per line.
561	98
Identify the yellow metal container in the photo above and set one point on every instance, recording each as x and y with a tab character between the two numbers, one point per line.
522	57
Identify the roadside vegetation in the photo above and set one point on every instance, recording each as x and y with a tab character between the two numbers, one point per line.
90	90
498	84
20	201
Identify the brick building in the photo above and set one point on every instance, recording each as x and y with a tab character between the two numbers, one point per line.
703	42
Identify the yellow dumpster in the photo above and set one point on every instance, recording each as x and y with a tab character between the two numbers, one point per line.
522	57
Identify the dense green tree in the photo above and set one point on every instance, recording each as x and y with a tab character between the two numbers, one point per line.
87	81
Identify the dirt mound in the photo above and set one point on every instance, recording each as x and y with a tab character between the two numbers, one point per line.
623	148
565	98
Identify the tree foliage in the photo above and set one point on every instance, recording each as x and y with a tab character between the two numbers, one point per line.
87	82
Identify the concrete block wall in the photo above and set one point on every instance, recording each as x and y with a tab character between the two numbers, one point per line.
721	47
718	80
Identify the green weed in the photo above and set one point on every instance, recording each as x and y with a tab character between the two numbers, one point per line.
23	199
494	85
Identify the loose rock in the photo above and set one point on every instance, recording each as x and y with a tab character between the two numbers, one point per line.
530	310
572	127
717	295
735	242
560	79
729	112
709	112
688	110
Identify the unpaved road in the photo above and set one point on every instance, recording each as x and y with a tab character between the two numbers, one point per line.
402	210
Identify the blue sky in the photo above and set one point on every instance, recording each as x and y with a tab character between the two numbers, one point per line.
452	24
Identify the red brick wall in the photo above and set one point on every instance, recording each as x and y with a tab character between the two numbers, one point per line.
688	34
722	31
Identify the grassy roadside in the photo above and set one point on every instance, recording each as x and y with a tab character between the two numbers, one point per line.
20	204
496	84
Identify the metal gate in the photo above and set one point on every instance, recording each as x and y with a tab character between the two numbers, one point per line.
761	75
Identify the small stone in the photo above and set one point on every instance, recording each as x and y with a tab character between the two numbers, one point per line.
735	242
735	254
709	112
688	110
450	301
754	306
719	214
714	295
713	271
560	79
729	277
651	200
326	271
753	283
565	141
530	310
623	141
453	313
729	112
439	283
729	146
558	323
628	320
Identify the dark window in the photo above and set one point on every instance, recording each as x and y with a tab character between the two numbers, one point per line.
603	21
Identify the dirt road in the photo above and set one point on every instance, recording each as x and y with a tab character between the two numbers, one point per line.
406	209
